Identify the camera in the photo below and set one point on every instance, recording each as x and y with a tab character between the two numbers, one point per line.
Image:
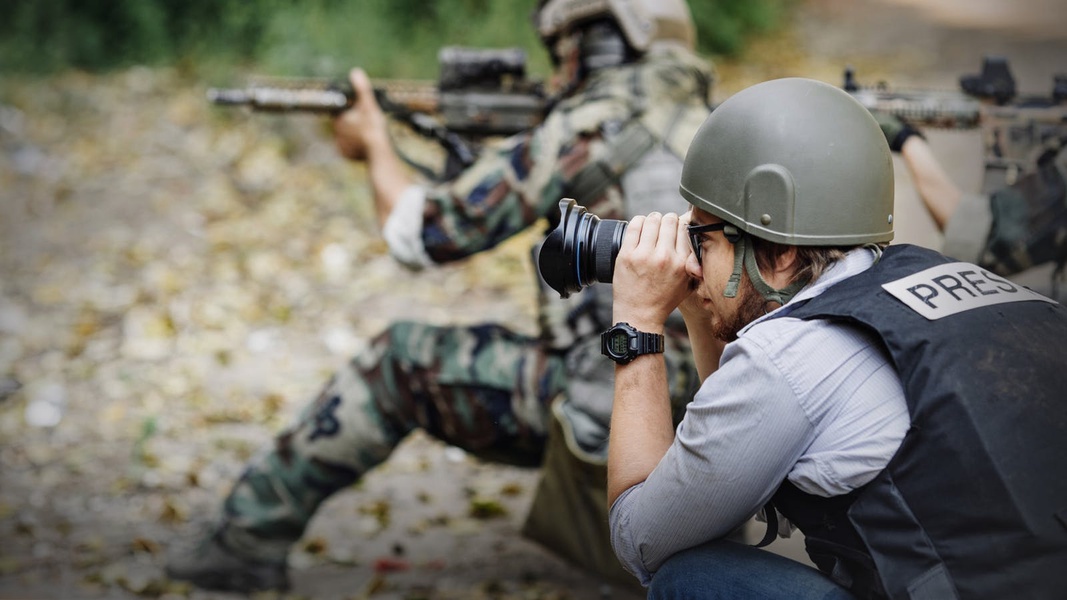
580	251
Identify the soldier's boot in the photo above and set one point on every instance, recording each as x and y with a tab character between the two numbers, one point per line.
213	565
271	503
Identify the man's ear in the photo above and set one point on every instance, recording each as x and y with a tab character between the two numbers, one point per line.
785	266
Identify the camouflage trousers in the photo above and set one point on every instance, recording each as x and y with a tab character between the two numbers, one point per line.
482	388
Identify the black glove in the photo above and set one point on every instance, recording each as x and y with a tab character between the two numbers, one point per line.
896	131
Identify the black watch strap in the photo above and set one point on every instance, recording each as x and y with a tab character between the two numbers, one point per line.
649	343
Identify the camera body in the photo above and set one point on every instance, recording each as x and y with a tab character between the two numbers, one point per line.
580	251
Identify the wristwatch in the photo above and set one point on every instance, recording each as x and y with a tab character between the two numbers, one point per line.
622	343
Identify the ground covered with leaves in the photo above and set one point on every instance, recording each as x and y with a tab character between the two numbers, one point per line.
176	282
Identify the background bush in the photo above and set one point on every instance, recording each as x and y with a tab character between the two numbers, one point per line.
394	38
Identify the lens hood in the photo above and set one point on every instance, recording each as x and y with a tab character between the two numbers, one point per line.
580	251
557	260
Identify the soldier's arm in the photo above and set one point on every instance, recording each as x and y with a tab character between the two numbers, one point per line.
512	185
361	134
487	203
938	192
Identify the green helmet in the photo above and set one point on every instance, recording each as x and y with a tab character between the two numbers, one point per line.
793	161
642	22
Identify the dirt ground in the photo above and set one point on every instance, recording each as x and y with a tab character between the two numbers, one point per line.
175	282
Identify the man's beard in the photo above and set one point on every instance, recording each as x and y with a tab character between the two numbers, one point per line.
751	306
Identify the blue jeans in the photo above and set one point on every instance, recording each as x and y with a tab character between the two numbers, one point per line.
723	569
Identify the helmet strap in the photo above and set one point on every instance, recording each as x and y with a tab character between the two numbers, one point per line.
744	254
740	250
876	250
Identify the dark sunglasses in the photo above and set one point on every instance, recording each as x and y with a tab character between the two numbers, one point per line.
696	233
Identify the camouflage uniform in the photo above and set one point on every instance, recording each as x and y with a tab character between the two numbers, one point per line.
1018	220
1026	221
487	389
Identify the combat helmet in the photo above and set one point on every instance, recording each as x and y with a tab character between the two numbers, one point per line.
642	22
793	161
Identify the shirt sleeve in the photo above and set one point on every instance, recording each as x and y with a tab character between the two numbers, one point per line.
967	231
403	229
739	439
506	190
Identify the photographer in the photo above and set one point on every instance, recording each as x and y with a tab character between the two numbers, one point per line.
632	94
904	411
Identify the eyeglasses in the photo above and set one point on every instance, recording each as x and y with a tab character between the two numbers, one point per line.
696	233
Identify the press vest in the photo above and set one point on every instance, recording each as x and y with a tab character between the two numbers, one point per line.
974	503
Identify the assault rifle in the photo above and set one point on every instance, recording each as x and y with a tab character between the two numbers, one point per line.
1016	130
480	93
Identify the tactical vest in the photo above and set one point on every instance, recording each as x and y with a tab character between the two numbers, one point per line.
974	503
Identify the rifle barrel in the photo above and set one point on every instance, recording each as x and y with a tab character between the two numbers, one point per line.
273	99
228	97
312	95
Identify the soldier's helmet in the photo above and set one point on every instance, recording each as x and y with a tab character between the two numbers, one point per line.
793	161
643	23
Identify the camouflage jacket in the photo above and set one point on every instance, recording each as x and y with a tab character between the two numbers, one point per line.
1019	226
520	181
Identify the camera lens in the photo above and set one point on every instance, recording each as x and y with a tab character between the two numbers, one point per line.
580	251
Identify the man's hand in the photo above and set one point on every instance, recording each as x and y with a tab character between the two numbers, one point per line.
360	132
895	130
650	278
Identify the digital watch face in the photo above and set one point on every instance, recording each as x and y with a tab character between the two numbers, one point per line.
619	343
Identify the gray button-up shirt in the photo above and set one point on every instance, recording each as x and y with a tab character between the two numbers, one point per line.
812	401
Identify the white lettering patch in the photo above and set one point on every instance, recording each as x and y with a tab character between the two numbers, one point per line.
945	290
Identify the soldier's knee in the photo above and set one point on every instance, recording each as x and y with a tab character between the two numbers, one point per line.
403	339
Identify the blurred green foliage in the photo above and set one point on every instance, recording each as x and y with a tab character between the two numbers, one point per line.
394	38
